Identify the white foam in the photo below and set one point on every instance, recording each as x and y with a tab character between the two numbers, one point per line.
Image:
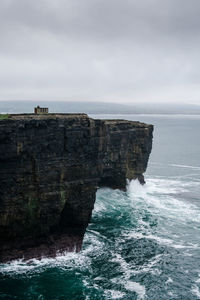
185	166
150	267
65	260
160	197
113	294
138	235
128	284
108	201
98	278
95	241
171	294
137	288
169	280
198	280
195	291
123	264
155	186
160	240
176	165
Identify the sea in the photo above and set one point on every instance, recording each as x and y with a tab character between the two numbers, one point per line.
142	243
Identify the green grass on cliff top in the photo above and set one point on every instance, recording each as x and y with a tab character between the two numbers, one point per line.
4	116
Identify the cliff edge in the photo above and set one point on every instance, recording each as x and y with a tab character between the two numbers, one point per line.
50	168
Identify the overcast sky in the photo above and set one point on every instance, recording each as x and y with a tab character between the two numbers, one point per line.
109	50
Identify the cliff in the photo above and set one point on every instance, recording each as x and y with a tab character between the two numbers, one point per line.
50	168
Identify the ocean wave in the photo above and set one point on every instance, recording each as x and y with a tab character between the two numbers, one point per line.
161	197
176	165
185	166
66	260
137	288
196	291
113	294
126	281
195	288
161	240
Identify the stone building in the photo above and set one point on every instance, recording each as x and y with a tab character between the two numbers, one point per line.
41	110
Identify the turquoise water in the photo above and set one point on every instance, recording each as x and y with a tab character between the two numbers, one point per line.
141	244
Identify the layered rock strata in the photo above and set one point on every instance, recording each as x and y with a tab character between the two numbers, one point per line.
50	168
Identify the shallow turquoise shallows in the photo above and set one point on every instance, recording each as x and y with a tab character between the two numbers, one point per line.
141	244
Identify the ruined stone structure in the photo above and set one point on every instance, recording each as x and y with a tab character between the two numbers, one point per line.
41	110
50	168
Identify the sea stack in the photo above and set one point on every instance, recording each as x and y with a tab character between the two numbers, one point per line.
50	168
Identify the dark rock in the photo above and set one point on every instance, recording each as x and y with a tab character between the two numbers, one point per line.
50	167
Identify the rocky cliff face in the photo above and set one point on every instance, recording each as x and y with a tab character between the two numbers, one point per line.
50	168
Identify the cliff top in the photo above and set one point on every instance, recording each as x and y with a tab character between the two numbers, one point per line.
118	122
32	116
41	116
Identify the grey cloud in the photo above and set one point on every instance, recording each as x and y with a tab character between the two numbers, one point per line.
100	49
104	18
